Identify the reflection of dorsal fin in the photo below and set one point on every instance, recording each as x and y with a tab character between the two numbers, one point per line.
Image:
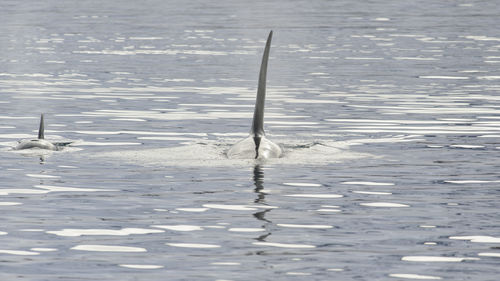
41	129
258	115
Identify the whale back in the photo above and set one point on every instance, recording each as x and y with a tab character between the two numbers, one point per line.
36	143
40	142
246	149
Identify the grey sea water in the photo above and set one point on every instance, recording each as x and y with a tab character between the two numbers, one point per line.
389	113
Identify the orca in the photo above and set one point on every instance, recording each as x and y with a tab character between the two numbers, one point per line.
40	142
256	145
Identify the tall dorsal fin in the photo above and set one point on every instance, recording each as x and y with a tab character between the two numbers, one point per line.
41	130
258	115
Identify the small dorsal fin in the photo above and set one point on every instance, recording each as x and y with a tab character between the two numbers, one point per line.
41	130
258	115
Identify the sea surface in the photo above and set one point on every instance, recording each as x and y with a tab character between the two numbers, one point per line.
388	111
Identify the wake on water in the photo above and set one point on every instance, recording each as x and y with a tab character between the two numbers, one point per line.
209	153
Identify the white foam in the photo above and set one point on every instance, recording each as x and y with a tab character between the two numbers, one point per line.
477	239
193	245
384	204
368	183
40	176
8	191
467	146
229	207
19	253
292	273
168	138
107	248
489	136
214	105
311	101
494	255
3	233
414	276
315	226
225	263
90	143
435	259
215	226
471	181
141	266
9	203
329	210
70	232
44	249
283	245
212	153
482	38
179	227
324	196
488	77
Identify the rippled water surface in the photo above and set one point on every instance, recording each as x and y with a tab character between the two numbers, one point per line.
388	111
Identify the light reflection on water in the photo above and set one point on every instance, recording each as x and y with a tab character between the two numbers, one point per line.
388	113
